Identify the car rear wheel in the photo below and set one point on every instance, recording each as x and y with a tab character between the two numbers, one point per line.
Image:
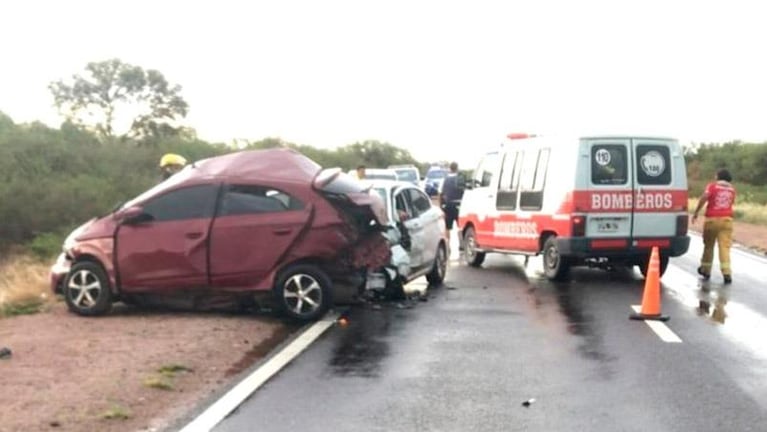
303	292
87	291
645	262
439	268
472	257
555	266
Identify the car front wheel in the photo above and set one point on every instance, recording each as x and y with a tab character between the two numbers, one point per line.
87	291
303	292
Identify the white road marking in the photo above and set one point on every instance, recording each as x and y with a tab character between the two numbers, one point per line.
663	332
234	397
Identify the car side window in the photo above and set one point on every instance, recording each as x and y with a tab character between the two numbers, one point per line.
533	181
193	202
483	176
420	201
507	188
402	206
250	199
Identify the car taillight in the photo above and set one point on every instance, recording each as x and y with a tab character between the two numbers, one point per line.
681	225
579	226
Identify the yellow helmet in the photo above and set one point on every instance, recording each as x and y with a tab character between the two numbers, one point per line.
172	159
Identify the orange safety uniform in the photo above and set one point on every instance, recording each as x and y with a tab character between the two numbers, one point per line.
718	226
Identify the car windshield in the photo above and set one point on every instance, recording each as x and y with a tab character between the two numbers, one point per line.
407	175
380	176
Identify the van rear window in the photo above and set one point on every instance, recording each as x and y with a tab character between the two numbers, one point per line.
653	164
608	164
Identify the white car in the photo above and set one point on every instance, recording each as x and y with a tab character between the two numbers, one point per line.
377	174
417	236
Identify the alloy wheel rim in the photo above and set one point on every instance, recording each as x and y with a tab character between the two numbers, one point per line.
84	289
302	294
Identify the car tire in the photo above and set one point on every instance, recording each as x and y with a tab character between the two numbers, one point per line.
645	262
555	266
470	253
439	267
87	291
303	292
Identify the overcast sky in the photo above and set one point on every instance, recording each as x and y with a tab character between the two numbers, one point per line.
443	79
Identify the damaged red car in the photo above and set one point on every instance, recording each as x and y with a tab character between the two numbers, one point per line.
244	223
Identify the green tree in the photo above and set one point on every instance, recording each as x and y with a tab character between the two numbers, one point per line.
111	92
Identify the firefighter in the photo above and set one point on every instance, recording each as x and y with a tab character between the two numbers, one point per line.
170	164
719	198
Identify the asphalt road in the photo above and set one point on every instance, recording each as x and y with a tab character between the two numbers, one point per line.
497	336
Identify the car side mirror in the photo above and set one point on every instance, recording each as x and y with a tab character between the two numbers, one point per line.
133	216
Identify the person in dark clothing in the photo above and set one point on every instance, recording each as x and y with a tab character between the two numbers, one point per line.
450	199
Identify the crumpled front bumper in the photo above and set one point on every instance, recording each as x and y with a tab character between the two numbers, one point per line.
58	273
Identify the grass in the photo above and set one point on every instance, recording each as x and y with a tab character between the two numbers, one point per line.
158	382
744	212
116	412
163	379
24	286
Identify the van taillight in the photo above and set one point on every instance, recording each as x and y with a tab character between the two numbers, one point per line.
681	225
579	226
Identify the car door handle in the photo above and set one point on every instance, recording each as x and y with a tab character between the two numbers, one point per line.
282	231
193	235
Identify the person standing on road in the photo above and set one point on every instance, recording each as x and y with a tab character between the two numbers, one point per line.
450	199
719	198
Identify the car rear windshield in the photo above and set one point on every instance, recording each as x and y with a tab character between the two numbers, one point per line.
407	175
609	164
436	174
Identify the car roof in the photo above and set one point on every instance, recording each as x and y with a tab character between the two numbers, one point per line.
281	164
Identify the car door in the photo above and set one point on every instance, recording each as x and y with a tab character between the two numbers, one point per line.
610	185
255	226
413	225
659	200
429	217
482	199
168	249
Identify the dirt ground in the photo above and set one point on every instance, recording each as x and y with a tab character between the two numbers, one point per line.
142	368
71	373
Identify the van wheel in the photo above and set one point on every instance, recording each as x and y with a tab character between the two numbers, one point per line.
439	268
555	266
303	292
87	291
645	262
472	257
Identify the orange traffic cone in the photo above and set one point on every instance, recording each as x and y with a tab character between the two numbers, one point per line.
651	296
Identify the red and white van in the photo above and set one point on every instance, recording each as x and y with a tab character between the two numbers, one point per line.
602	200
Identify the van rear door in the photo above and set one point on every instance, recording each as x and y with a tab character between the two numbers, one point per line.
660	190
609	202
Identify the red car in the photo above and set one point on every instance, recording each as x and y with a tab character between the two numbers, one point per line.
241	223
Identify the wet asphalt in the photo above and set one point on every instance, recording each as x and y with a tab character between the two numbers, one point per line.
494	337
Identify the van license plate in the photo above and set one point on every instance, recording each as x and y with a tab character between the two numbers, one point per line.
607	227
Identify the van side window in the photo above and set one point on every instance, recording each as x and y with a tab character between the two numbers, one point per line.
483	176
533	180
507	188
653	164
609	164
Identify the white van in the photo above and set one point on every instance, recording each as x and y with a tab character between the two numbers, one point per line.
600	201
